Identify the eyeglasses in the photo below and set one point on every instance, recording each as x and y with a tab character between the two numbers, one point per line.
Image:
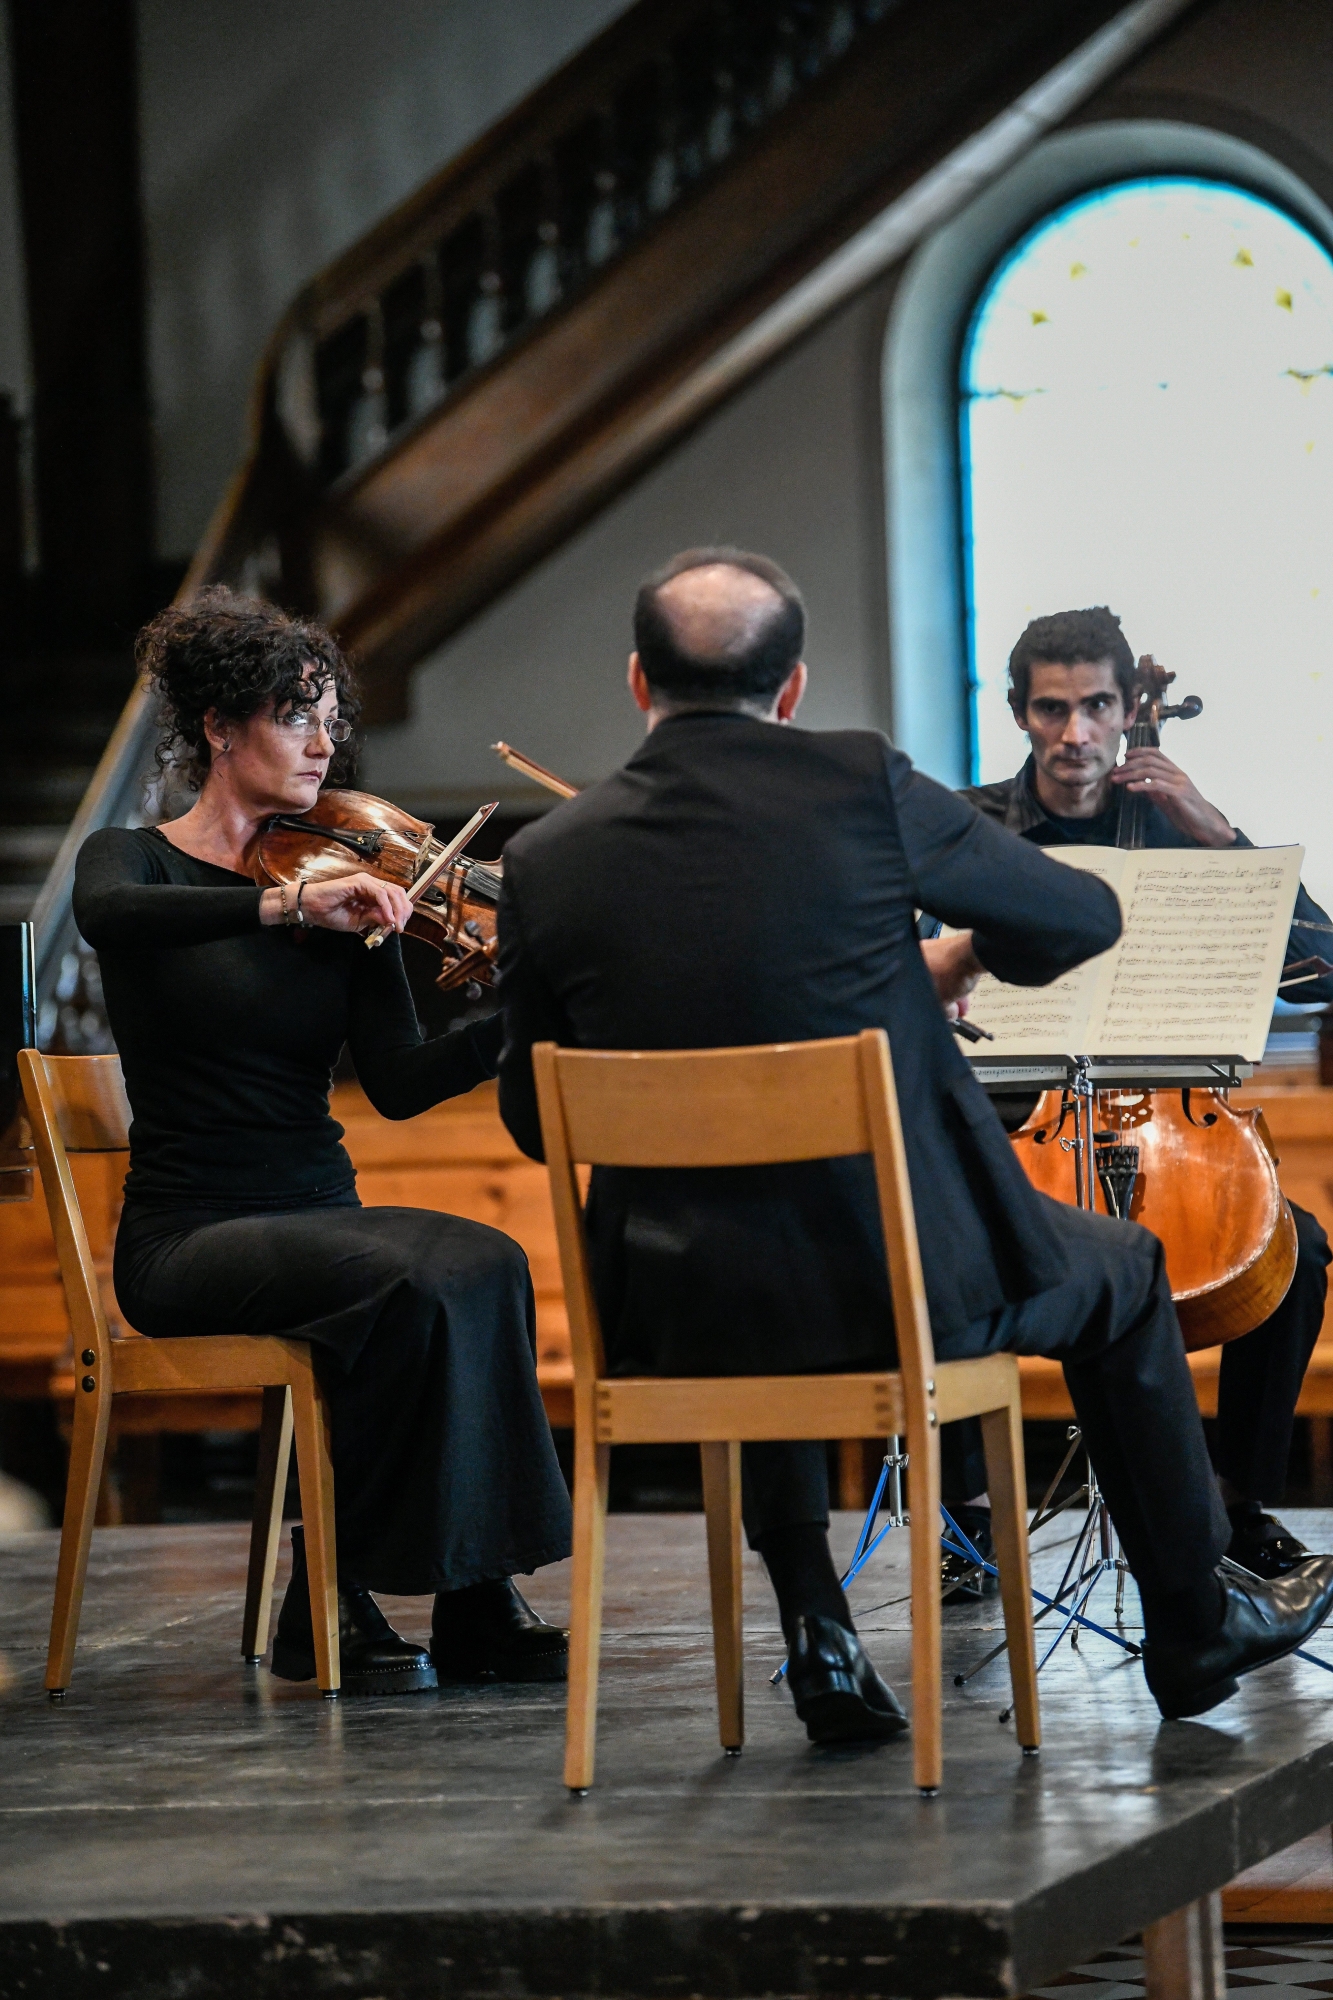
308	722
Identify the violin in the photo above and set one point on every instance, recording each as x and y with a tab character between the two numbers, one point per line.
454	897
1198	1173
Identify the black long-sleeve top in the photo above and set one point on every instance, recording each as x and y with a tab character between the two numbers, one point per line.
228	1030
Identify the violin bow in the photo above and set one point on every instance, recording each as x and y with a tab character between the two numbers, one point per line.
537	772
448	853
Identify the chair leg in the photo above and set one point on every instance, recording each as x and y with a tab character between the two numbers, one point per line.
854	1489
314	1463
87	1456
275	1448
592	1465
1002	1434
722	1507
927	1642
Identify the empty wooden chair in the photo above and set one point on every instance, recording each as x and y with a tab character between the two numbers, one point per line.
77	1104
751	1107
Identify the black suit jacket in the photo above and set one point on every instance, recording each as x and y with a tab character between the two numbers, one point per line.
740	882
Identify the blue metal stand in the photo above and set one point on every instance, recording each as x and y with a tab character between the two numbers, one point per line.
1082	1573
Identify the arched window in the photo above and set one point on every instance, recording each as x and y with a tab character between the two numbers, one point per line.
1147	422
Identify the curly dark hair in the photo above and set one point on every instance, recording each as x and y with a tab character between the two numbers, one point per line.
1068	637
237	655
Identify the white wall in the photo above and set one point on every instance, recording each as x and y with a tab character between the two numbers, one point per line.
790	467
273	134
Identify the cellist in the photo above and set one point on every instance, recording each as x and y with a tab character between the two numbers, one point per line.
1073	690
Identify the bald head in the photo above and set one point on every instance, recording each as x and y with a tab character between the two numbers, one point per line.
718	628
718	612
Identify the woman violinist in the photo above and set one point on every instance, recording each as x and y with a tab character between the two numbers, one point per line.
229	1005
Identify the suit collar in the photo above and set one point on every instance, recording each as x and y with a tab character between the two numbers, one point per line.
697	724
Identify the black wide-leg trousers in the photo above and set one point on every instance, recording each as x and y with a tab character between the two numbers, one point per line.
1259	1383
1260	1376
423	1327
1113	1327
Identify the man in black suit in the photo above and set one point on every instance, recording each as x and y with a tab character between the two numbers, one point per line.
742	881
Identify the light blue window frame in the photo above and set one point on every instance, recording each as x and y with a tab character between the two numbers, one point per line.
932	311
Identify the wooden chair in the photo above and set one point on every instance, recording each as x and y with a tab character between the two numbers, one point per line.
77	1104
750	1107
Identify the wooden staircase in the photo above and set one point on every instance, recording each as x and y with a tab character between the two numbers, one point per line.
457	394
511	347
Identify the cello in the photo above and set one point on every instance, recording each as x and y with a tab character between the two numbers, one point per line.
1184	1162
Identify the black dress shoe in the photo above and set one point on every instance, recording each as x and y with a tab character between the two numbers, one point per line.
961	1581
488	1632
1263	1621
1261	1544
374	1659
838	1695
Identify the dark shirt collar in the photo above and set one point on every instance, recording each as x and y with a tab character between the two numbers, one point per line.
1025	814
1024	809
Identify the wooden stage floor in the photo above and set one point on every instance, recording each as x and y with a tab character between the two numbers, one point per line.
185	1825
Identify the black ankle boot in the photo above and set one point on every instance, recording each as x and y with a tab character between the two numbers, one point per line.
374	1659
488	1632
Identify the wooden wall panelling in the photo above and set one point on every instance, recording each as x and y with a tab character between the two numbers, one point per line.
459	1158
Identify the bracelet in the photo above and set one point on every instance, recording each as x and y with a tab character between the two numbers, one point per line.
298	917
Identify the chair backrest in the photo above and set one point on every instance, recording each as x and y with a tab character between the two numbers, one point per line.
724	1108
76	1104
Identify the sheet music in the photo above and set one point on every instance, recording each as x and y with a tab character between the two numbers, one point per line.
1195	972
